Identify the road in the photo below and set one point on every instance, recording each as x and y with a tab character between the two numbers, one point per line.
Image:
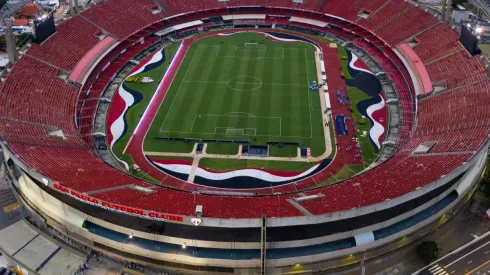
472	260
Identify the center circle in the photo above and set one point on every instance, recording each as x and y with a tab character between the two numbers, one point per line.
244	83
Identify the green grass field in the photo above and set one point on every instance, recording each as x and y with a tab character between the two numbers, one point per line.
227	88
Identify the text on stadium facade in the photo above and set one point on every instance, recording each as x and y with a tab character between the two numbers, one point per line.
121	208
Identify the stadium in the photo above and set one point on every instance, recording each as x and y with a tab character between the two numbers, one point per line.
245	136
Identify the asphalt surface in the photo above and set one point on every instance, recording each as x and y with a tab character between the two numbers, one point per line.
474	260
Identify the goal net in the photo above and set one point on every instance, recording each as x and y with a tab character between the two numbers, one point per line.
252	45
235	132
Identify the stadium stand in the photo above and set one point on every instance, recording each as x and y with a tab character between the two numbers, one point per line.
436	43
114	16
37	85
412	171
67	46
457	70
413	22
177	7
350	10
36	101
388	13
74	168
457	120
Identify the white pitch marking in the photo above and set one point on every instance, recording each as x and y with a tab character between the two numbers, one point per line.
178	90
280	127
203	133
239	113
279	84
192	126
242	82
309	99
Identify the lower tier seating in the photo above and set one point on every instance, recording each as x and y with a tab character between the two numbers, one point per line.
401	174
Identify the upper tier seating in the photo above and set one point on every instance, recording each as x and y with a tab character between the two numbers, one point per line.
35	93
386	15
122	17
312	5
350	9
68	45
436	43
411	23
458	120
457	70
177	7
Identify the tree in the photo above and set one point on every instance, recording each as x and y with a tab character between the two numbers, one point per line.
428	251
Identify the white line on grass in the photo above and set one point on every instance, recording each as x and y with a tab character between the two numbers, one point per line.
280	127
250	115
237	48
243	82
178	90
273	136
309	99
232	114
236	114
192	126
219	48
178	132
250	58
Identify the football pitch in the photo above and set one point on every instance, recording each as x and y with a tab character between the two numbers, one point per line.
242	86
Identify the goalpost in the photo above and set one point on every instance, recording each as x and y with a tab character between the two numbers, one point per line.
235	132
252	45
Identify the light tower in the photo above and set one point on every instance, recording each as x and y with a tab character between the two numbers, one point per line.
447	18
6	22
74	7
12	51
